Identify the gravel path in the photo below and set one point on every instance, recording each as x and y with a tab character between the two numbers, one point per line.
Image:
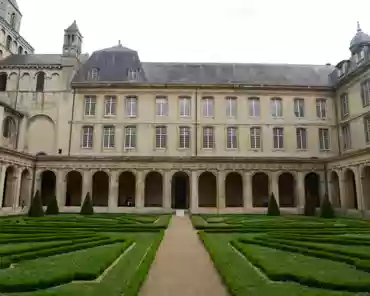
182	266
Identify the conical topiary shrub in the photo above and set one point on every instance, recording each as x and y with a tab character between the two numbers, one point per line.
309	207
52	208
326	208
87	206
273	208
36	209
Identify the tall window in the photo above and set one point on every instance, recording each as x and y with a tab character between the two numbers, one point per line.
301	134
93	74
185	106
90	106
161	106
346	132
208	107
232	137
12	20
40	82
255	137
110	106
367	128
278	137
184	137
208	137
254	107
276	107
160	137
344	104
131	106
321	108
130	137
365	93
8	44
87	136
231	107
299	107
9	127
3	81
108	136
324	139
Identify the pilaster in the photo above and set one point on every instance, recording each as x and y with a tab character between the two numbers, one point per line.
194	203
17	188
247	190
167	190
359	191
113	190
61	188
221	202
2	116
86	184
22	133
2	182
274	186
300	190
140	182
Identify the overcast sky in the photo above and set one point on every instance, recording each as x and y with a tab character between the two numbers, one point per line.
271	31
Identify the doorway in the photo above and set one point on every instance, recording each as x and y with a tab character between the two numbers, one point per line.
180	191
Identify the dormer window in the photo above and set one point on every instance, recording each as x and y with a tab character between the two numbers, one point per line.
93	74
342	69
132	74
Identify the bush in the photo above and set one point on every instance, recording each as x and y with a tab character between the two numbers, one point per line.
52	208
309	207
273	208
326	208
87	207
36	209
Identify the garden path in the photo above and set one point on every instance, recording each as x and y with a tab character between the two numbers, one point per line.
182	266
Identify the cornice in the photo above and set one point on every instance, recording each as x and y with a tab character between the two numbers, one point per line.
17	154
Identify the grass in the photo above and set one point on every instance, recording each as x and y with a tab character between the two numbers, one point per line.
283	256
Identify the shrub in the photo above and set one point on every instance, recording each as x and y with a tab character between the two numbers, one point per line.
87	207
326	208
309	207
52	208
273	208
36	209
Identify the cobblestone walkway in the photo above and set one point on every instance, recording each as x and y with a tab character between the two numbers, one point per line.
182	266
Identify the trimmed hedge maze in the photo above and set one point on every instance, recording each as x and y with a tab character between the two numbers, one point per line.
71	255
282	256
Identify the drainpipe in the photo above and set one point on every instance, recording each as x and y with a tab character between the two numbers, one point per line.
337	124
71	123
196	123
15	107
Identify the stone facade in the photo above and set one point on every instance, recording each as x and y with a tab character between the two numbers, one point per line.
142	136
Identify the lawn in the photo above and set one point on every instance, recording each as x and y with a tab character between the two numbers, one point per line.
72	255
289	255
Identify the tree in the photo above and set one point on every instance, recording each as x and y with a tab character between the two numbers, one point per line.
273	208
309	207
52	208
87	206
36	209
326	208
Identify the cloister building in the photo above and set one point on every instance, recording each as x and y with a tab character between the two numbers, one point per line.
144	136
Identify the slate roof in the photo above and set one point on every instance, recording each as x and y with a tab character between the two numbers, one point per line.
36	59
73	27
359	39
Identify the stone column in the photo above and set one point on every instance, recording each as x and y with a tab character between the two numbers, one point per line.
17	188
274	186
86	184
140	189
113	191
247	190
22	133
221	203
2	116
194	192
167	190
37	183
322	186
2	182
61	188
343	191
300	190
359	192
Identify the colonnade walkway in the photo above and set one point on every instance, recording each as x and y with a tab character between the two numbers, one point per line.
182	266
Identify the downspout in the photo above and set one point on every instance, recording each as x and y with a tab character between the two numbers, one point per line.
196	123
15	107
337	124
71	123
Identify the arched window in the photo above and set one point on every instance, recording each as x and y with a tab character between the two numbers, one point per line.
93	74
8	127
25	52
12	20
40	82
20	50
8	42
3	81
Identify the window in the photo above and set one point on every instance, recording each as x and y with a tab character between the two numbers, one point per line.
360	56
131	106
8	42
208	137
184	137
301	134
132	74
3	81
365	93
299	107
367	128
342	69
108	136
185	104
344	104
232	138
130	137
208	107
87	136
255	137
278	137
346	132
161	106
93	74
110	106
12	20
20	50
321	108
231	107
254	107
40	82
324	138
160	137
90	106
276	107
9	127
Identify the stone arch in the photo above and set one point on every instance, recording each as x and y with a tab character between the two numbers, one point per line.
351	193
8	42
40	81
12	81
287	190
3	81
153	190
25	81
20	50
366	186
2	35
260	189
25	189
312	188
180	190
9	187
100	189
44	141
48	186
234	190
9	128
207	190
74	189
126	189
334	190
